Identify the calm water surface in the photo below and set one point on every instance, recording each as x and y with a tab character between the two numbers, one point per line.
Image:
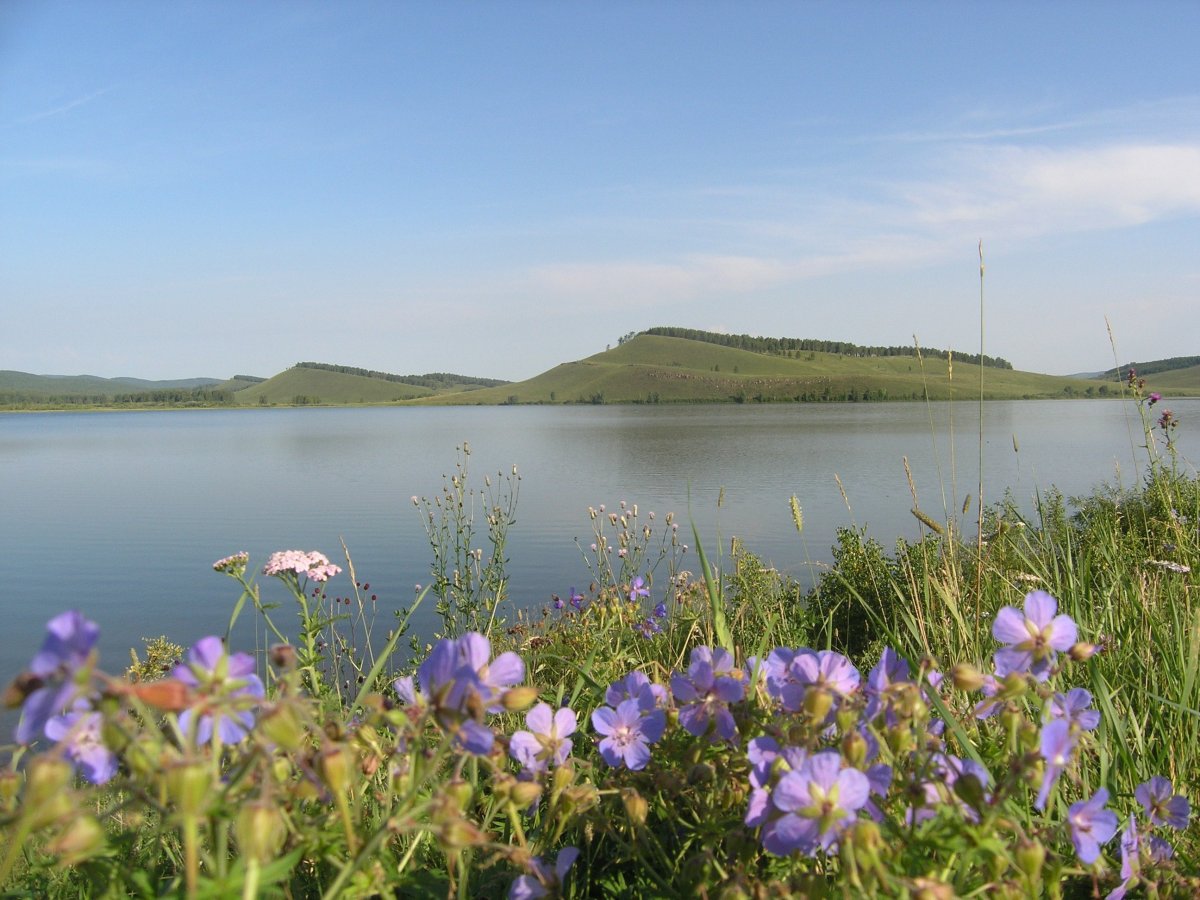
122	514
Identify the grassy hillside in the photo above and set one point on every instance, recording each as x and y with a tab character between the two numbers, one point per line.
304	386
92	385
655	368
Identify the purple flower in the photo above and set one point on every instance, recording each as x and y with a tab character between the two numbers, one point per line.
1033	638
628	733
1072	707
636	686
1154	398
648	628
891	669
638	590
80	732
576	599
818	801
65	653
1162	804
1091	826
228	687
543	882
704	694
547	742
945	770
460	681
1057	745
660	611
988	707
792	673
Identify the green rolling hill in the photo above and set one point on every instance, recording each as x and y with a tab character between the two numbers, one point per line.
653	368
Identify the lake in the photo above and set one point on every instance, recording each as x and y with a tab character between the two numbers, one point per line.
122	514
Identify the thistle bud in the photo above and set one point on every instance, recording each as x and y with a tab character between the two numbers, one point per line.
82	839
260	830
519	698
635	806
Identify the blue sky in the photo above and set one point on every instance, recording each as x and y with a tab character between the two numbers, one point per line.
494	188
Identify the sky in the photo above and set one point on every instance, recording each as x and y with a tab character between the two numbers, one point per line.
493	188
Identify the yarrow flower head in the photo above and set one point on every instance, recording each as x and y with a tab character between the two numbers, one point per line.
227	688
1034	638
55	675
312	565
547	742
234	565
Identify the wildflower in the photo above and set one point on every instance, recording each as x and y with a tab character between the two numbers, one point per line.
543	882
234	565
54	672
558	603
1033	638
1057	744
891	669
1073	708
819	801
636	686
576	599
80	730
705	692
547	742
219	676
792	674
1154	398
648	628
1162	805
951	780
660	611
628	733
988	707
638	589
312	565
460	682
1091	825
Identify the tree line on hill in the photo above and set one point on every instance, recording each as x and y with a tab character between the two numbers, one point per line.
792	346
1153	368
202	396
434	380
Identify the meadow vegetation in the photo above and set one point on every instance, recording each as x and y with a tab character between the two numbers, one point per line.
1012	713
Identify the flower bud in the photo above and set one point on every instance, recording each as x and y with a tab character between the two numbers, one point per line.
188	784
847	717
701	773
1082	651
635	806
280	726
458	792
260	830
525	793
335	764
82	839
519	698
283	657
10	786
1030	856
817	703
966	677
456	833
563	777
854	749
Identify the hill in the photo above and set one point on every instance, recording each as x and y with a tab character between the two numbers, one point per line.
310	383
654	368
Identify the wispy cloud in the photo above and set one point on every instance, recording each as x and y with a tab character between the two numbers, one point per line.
63	108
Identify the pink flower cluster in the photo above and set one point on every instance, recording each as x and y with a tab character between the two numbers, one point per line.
312	565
